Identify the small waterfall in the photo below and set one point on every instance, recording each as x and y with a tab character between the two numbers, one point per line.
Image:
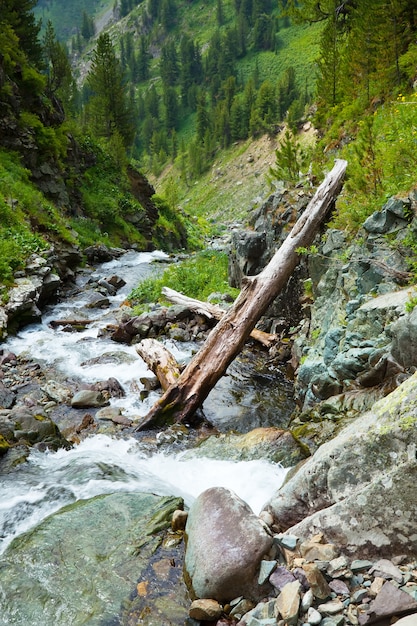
102	465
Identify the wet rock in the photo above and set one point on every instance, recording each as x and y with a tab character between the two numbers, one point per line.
31	426
96	300
85	398
7	397
179	520
111	386
225	545
108	413
45	564
57	392
206	610
274	444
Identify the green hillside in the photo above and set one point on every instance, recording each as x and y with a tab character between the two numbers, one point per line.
209	101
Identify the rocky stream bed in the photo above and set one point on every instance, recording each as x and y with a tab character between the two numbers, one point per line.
335	544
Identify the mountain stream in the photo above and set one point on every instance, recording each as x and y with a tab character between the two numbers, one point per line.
105	464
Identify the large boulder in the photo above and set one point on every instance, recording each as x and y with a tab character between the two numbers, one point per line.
359	488
96	562
226	543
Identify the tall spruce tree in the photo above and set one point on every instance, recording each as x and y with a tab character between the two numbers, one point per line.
110	109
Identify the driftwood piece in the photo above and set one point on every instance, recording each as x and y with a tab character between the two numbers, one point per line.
160	361
213	311
225	341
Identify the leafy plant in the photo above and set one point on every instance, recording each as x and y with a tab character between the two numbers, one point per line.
196	277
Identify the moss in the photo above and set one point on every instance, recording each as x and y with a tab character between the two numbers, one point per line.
4	445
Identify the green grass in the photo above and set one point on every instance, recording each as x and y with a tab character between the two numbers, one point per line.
28	221
197	277
382	161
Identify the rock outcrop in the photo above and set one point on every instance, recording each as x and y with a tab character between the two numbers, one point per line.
359	488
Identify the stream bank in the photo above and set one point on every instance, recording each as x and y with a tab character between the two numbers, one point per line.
352	337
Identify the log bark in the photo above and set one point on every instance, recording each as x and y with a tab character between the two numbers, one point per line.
213	311
160	361
188	393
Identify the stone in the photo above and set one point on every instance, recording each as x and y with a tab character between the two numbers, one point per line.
307	600
359	488
352	614
226	543
204	609
332	607
314	550
242	607
266	569
360	565
179	520
300	575
339	587
338	567
86	398
385	569
288	602
280	577
317	582
57	392
359	595
289	542
108	413
410	620
337	620
313	616
390	601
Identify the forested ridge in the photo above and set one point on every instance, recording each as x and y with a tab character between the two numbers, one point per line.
90	101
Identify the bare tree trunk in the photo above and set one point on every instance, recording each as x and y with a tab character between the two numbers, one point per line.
213	311
188	393
160	361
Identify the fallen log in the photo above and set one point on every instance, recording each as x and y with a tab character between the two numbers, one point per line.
187	394
213	311
160	361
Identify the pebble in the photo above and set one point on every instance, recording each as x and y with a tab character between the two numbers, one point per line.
313	616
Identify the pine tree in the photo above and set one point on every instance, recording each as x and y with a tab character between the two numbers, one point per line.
18	14
58	68
110	108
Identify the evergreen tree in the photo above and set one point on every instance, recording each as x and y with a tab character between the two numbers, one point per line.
143	61
168	64
18	14
58	68
170	101
219	13
110	108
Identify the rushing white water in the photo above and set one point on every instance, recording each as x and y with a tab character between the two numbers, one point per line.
100	464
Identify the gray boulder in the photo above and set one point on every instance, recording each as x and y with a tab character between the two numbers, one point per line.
226	542
359	488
